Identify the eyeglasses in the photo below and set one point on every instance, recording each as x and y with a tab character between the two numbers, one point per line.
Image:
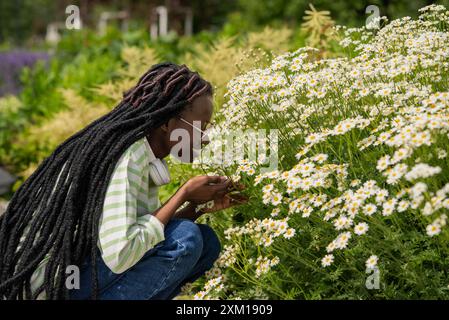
208	126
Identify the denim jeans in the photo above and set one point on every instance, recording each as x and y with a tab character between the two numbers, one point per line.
188	251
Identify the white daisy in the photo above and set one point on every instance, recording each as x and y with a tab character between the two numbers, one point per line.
289	233
361	228
371	262
369	209
433	229
327	260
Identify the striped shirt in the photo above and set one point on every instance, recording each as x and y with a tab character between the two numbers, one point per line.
128	228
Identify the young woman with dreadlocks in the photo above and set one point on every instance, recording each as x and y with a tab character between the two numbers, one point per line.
93	203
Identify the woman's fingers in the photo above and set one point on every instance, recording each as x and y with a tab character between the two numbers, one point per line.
234	199
238	198
215	179
220	188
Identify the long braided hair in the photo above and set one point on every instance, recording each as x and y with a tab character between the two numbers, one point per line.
56	211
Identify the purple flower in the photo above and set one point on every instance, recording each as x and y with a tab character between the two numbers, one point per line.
11	65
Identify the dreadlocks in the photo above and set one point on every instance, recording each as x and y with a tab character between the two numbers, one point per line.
56	211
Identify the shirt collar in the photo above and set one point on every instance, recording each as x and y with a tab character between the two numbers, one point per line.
151	155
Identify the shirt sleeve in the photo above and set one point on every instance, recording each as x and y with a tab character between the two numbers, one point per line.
124	237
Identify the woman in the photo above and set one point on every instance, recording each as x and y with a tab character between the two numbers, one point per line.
92	205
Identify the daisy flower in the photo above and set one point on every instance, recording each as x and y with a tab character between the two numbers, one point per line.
289	233
403	205
276	198
361	228
199	295
342	240
433	229
369	209
371	262
275	212
327	260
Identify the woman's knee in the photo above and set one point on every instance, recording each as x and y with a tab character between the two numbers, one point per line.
189	235
211	242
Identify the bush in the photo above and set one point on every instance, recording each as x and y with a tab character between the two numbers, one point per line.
11	64
362	188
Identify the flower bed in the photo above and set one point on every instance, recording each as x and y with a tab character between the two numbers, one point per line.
11	65
358	206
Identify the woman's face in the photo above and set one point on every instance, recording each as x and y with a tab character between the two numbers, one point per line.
193	121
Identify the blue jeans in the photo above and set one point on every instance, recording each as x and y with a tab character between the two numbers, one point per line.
188	251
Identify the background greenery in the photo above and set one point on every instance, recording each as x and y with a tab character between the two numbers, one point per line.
22	20
87	72
83	61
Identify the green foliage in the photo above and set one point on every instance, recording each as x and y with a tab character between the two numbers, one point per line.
89	73
305	232
38	96
11	121
349	13
17	17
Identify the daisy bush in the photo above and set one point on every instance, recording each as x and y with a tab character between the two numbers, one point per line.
362	184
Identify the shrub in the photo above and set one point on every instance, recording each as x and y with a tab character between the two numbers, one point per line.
362	187
11	64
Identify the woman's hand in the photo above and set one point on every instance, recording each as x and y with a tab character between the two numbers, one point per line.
223	199
224	202
201	189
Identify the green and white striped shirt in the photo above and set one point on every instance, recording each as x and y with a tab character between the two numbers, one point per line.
127	228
